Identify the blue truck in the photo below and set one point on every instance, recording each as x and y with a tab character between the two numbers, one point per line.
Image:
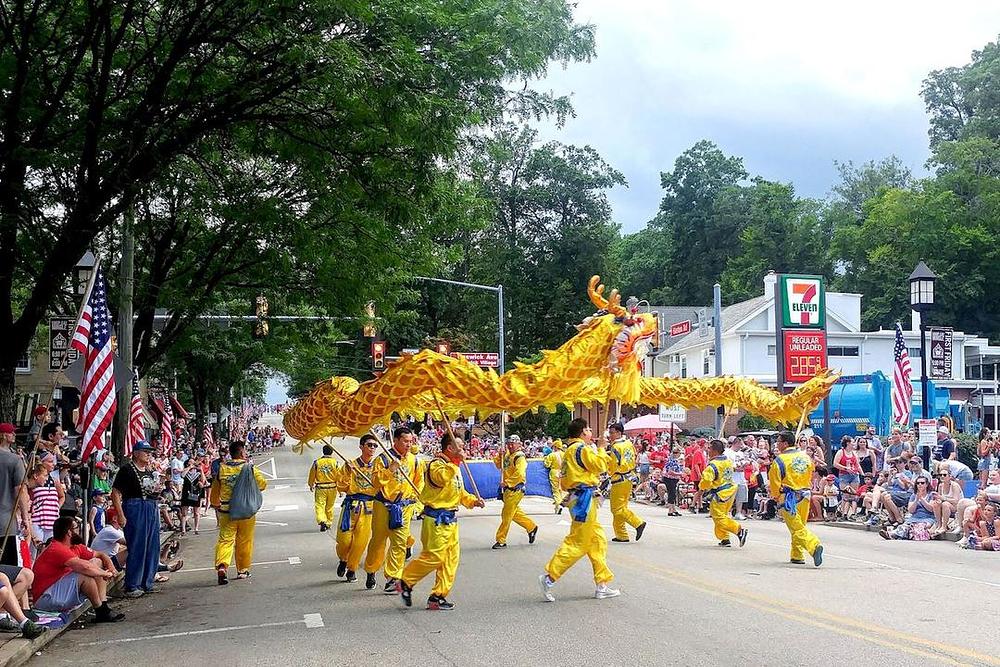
860	401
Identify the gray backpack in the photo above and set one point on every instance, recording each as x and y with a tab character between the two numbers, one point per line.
247	498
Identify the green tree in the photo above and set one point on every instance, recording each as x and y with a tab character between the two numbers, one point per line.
698	217
100	101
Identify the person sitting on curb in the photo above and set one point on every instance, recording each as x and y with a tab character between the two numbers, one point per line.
66	574
17	621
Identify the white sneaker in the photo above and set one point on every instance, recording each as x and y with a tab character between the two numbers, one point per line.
964	543
546	585
604	592
740	517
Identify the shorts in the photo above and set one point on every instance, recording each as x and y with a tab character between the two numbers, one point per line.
900	500
849	478
985	464
671	486
964	475
12	572
742	495
643	468
63	595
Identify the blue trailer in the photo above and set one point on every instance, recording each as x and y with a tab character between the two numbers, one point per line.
856	402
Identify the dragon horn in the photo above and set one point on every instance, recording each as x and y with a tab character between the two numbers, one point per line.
613	304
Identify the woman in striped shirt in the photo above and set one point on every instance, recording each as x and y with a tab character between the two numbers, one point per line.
46	498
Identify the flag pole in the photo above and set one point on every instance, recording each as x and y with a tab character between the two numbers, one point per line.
30	463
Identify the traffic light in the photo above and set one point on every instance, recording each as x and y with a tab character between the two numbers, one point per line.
261	327
444	348
378	355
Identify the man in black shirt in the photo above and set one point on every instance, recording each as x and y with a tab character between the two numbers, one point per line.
134	494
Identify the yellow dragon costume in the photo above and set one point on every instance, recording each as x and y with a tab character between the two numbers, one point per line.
599	364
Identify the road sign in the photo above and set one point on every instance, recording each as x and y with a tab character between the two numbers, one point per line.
803	302
926	433
60	336
484	359
680	328
673	413
941	346
805	354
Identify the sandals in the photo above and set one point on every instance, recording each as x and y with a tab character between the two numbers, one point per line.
243	575
175	565
161	578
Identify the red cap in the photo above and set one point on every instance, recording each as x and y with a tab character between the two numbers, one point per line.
7	427
831	478
41	410
101	465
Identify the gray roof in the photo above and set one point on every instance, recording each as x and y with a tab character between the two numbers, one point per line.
731	316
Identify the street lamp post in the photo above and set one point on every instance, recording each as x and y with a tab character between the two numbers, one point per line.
82	272
498	290
922	300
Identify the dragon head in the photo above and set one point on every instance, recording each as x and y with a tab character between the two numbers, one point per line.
632	341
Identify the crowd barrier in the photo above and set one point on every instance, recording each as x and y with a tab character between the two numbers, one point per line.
487	478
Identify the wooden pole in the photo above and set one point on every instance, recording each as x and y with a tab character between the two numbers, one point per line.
798	431
349	463
389	454
447	424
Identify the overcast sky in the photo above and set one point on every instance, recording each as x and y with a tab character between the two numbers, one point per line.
788	86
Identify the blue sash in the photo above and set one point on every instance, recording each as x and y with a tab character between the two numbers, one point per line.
347	508
395	508
581	508
713	494
501	489
793	497
442	517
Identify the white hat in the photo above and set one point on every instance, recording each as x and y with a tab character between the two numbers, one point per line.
943	429
514	438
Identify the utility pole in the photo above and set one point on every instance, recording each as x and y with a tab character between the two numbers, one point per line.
126	282
717	316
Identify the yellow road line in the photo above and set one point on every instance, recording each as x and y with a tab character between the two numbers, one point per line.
820	619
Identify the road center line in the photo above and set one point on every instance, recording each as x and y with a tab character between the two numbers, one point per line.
840	624
309	620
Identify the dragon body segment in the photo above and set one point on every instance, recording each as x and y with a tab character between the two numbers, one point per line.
599	364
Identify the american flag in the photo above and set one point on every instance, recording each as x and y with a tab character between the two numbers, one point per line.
167	425
136	420
902	390
92	339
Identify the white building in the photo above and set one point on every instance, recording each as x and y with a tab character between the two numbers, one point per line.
748	349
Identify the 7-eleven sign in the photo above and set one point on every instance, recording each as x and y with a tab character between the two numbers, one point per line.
803	301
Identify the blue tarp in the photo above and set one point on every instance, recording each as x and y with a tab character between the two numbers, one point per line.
488	478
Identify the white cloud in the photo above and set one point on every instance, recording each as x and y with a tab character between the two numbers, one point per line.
790	86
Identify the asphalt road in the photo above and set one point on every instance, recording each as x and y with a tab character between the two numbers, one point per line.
684	601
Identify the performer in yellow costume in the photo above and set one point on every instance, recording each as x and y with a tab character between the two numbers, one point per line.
236	534
392	513
582	467
621	465
513	466
443	492
355	529
717	483
553	463
323	476
790	481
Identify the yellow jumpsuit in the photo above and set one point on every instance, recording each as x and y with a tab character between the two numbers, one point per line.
717	482
443	492
553	463
788	477
392	487
513	474
581	472
323	476
621	465
355	528
236	534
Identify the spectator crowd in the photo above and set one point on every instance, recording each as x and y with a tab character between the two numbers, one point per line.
72	527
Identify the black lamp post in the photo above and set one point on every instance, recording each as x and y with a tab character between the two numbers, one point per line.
922	300
82	272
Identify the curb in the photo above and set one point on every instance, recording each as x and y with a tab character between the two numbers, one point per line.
850	525
18	651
